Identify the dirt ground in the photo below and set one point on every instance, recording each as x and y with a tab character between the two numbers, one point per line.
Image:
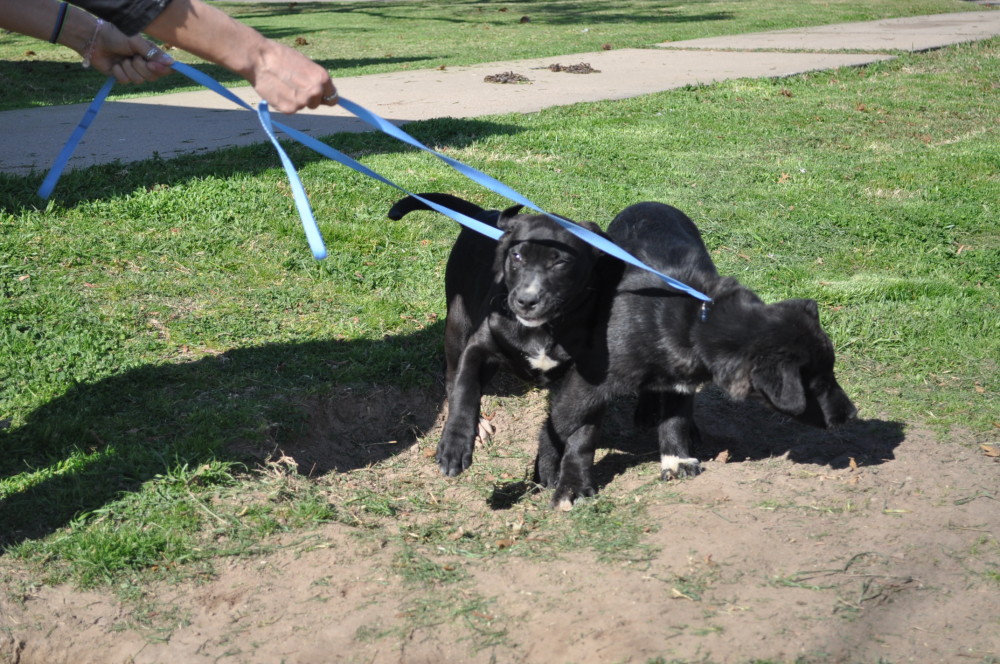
874	543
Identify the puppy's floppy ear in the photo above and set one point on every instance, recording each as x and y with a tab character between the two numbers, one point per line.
594	228
782	385
503	223
809	306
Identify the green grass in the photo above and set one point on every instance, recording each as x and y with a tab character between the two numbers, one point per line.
161	318
354	38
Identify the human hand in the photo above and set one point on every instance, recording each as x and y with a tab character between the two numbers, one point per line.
289	81
128	59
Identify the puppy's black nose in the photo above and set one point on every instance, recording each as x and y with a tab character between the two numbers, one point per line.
526	302
844	413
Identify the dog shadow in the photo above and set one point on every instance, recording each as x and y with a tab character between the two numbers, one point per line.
313	405
724	425
747	431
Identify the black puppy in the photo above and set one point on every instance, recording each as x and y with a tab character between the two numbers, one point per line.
525	302
657	343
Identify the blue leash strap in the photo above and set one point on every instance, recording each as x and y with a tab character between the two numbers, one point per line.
302	202
49	183
480	178
341	158
313	235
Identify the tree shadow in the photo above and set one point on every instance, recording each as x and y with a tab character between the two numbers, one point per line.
485	11
86	447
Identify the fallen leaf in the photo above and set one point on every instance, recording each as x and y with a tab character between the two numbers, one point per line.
785	177
505	543
990	450
301	41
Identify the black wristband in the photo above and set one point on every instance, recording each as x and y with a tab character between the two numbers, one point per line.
59	23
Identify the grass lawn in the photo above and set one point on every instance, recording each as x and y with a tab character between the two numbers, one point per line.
158	317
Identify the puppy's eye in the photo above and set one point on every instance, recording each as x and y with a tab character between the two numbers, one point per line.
516	256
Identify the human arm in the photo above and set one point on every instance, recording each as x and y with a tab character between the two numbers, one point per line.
288	80
105	47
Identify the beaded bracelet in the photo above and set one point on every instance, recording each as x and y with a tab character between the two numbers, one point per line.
59	23
88	50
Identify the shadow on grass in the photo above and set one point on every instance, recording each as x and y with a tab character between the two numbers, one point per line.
117	179
483	12
308	402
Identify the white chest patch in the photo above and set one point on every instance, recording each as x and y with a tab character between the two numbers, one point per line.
542	361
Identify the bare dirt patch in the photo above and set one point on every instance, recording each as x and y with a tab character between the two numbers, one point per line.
877	542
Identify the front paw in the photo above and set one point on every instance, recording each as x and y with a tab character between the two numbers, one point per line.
673	467
565	496
453	456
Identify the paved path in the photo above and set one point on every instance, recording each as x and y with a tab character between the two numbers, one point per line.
191	122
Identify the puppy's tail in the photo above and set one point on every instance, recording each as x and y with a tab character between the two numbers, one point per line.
406	205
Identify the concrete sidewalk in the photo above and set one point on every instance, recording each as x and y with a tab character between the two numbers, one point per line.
190	122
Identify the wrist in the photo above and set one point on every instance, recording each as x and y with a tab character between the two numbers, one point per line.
77	30
252	61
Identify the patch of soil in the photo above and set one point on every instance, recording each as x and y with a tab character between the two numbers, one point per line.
876	542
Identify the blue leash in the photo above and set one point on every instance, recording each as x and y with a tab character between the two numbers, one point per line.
313	235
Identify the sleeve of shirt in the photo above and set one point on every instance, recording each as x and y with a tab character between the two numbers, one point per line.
129	16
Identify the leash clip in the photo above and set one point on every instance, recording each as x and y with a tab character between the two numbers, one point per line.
703	314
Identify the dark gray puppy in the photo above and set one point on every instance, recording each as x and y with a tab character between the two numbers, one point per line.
656	343
526	303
